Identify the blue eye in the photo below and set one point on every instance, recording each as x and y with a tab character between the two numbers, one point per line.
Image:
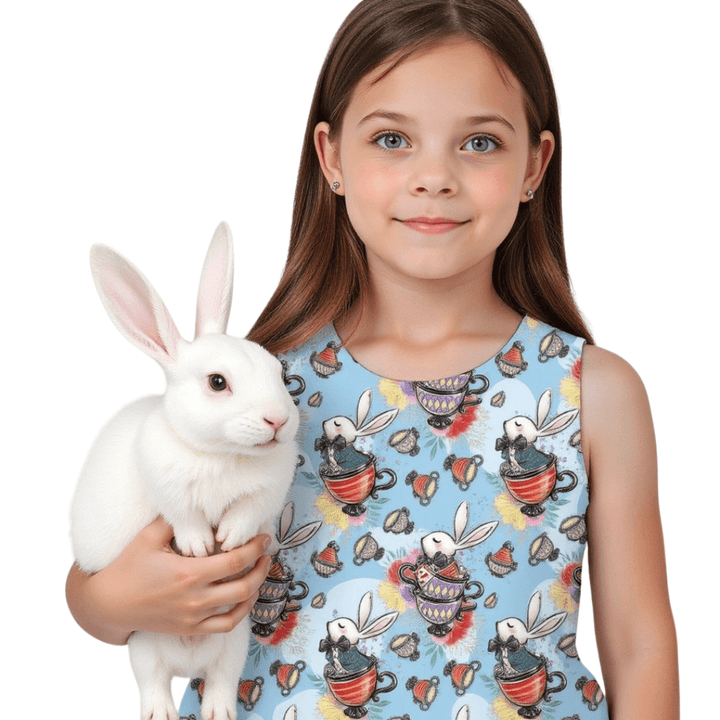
482	143
394	145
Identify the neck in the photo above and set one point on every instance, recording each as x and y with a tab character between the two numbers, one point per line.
425	312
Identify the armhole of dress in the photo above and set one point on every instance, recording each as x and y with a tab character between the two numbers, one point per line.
583	345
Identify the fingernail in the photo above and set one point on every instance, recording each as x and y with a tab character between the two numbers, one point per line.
266	541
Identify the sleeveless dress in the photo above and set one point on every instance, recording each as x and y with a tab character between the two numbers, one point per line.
431	544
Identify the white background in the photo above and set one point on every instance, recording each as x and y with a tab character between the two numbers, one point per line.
143	124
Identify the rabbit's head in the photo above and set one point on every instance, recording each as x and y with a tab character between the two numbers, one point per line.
341	425
442	542
521	425
509	627
225	395
343	626
364	629
532	430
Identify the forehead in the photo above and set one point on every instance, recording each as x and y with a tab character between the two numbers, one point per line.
454	80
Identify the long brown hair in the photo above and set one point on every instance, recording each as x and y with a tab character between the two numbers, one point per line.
326	271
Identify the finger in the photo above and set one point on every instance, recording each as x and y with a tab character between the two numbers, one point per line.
158	533
232	592
227	564
225	622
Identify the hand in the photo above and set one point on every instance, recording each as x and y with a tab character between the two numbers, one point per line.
151	588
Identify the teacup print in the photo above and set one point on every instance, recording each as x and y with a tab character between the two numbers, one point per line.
522	676
351	676
530	475
350	475
442	588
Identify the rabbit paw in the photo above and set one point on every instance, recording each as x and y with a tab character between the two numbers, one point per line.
234	529
159	709
217	711
196	541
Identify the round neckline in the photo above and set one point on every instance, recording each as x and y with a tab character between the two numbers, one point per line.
503	349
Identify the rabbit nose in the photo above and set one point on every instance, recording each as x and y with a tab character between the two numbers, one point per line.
276	423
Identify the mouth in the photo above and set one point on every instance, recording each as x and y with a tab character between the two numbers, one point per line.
269	443
432	226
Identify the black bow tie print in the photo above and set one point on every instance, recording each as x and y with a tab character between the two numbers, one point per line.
519	443
323	443
496	645
343	644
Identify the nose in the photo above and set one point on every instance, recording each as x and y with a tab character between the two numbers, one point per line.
276	422
434	174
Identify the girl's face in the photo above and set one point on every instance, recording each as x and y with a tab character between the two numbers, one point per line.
440	136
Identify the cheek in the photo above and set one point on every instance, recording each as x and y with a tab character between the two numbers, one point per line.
497	187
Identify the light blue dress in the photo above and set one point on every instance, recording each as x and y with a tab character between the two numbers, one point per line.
432	544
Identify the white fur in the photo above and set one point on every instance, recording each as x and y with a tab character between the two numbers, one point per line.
193	455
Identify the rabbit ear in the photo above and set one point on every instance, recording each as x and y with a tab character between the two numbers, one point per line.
379	626
364	610
378	423
134	305
559	423
463	713
547	626
291	713
286	520
544	404
301	536
533	609
216	283
461	518
476	536
363	406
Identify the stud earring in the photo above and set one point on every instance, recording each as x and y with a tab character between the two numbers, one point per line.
335	186
530	194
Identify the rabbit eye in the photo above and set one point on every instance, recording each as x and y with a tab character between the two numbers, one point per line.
217	382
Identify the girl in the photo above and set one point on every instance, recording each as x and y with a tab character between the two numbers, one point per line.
430	554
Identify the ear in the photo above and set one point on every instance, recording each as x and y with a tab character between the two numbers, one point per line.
544	404
134	305
301	535
364	610
478	535
363	406
538	161
547	626
461	518
379	626
379	423
329	156
559	423
216	284
286	520
533	609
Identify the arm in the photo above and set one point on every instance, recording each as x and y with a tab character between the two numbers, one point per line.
148	587
626	559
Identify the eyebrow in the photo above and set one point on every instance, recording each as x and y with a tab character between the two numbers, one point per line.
397	117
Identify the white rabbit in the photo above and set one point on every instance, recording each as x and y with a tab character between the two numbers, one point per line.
514	627
346	627
342	426
216	450
532	430
441	542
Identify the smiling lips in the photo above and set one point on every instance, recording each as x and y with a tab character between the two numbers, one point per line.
431	226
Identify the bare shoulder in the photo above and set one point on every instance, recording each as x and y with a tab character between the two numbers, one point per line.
614	403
